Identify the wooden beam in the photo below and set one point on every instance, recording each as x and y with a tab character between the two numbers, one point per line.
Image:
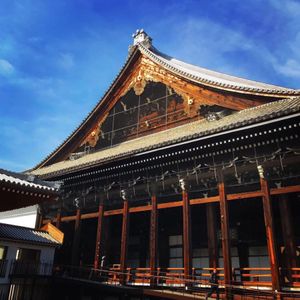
113	212
212	235
187	242
268	217
124	240
153	238
241	196
89	215
98	248
230	197
285	190
169	205
76	239
225	235
204	200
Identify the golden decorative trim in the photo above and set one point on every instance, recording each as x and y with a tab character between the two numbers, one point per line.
94	134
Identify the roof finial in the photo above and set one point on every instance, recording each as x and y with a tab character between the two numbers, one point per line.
141	37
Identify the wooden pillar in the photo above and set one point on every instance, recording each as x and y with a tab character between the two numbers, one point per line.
124	239
212	235
290	256
153	238
58	218
99	236
187	247
76	239
268	217
225	236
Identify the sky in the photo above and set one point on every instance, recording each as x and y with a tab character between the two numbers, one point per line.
58	57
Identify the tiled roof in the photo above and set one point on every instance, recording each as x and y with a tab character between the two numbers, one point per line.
188	131
24	234
191	72
25	180
212	78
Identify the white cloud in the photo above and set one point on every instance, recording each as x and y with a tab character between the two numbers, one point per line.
291	68
66	61
209	44
6	68
290	8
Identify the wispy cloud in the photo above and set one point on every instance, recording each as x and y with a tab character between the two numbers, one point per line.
291	68
6	68
66	61
291	8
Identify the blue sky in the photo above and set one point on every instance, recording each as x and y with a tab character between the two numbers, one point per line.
58	57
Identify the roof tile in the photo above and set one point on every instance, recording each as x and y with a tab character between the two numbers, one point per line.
171	136
24	234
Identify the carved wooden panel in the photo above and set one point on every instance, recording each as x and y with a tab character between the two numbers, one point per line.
150	99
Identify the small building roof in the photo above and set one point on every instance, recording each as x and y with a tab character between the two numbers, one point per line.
26	235
20	190
27	180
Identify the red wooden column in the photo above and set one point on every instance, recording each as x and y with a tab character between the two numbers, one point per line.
124	237
268	217
76	239
288	235
187	245
99	235
58	218
153	237
212	235
225	235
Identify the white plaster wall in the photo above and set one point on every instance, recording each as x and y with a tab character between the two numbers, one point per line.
47	254
22	217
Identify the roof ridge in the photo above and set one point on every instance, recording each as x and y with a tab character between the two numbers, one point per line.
172	66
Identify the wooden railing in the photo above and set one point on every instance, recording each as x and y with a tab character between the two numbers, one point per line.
203	274
252	276
164	276
195	285
175	276
22	268
294	274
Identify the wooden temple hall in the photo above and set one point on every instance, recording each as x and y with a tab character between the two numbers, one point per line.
179	170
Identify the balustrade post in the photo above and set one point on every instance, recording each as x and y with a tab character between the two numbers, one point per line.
99	236
124	238
153	239
271	242
225	236
187	243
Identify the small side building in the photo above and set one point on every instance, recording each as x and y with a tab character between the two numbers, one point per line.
26	253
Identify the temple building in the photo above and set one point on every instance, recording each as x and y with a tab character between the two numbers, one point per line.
179	170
